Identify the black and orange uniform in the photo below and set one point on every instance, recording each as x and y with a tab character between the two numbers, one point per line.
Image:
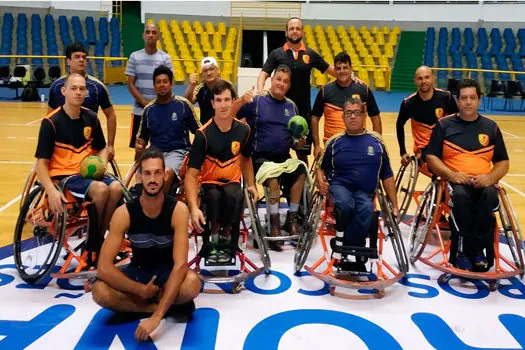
301	64
66	142
330	102
217	155
470	147
423	116
204	95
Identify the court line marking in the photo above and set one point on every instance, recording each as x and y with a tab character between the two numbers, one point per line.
508	133
33	121
10	203
512	188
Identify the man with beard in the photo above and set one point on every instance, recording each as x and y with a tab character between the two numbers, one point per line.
158	278
139	70
268	116
300	59
167	121
331	99
220	153
424	108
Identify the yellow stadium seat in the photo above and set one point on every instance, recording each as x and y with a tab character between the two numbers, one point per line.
385	30
396	30
363	29
221	28
374	29
321	80
363	75
150	21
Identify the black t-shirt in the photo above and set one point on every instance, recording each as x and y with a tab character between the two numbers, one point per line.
467	146
66	141
423	115
204	97
301	64
151	238
217	154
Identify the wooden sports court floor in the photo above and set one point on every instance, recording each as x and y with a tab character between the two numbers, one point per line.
19	125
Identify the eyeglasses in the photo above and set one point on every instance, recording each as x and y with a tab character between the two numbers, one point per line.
355	113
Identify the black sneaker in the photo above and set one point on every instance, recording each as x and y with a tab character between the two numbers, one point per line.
481	263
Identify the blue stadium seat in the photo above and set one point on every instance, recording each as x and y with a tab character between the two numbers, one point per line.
103	30
7	38
90	30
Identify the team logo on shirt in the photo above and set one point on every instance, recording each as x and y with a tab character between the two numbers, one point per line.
286	112
440	113
174	116
236	147
370	151
306	59
483	139
87	132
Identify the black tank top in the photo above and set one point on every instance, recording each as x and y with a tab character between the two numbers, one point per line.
151	239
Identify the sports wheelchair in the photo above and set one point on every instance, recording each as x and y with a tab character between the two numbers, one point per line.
383	228
41	237
431	215
406	181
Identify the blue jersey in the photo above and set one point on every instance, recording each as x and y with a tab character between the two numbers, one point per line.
268	118
168	125
97	94
356	161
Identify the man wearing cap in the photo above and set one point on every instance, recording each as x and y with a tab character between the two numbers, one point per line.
202	93
139	70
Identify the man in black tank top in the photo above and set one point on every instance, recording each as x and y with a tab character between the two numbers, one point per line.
158	276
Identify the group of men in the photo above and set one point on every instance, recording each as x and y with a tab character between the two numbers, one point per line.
248	138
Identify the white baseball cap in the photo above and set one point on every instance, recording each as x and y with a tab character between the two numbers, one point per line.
206	61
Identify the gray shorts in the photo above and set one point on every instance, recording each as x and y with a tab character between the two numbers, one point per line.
174	159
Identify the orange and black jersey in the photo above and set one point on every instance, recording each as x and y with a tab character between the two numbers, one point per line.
66	141
423	116
331	99
217	154
467	146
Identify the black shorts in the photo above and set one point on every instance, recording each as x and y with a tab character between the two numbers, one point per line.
134	129
145	274
287	180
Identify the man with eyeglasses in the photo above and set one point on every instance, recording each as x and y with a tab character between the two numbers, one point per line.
350	169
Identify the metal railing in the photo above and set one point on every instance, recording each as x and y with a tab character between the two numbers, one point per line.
471	70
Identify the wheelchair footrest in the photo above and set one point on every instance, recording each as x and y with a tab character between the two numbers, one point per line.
231	262
354	251
281	238
355	276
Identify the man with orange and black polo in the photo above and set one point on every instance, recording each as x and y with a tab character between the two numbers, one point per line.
467	149
424	108
301	60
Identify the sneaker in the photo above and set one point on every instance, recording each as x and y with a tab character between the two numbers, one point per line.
462	262
481	263
223	257
213	256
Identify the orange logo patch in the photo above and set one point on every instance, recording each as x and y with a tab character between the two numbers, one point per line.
306	59
87	132
236	147
440	113
483	139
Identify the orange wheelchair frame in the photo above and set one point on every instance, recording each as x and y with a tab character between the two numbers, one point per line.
433	206
386	274
53	231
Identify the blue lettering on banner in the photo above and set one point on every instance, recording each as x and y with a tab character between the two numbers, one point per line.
42	284
482	291
441	337
322	291
20	334
267	333
106	325
284	284
6	279
205	320
431	292
515	285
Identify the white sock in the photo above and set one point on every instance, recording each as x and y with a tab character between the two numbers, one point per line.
274	208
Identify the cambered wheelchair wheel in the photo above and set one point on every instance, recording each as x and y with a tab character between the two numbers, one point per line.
38	238
305	241
406	180
511	229
28	185
423	219
394	233
258	232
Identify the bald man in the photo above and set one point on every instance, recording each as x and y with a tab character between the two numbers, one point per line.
424	108
140	69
